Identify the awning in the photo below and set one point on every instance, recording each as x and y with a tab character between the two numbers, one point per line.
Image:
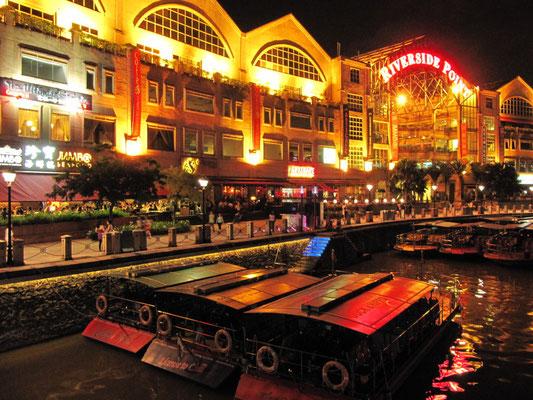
326	187
32	187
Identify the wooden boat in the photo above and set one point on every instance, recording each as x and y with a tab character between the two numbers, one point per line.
427	237
352	336
512	246
189	318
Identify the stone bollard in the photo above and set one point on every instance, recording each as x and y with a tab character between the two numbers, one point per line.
514	208
423	213
18	252
300	225
229	231
115	240
357	218
139	239
530	208
66	245
3	253
522	208
107	243
172	237
284	225
369	216
505	209
250	229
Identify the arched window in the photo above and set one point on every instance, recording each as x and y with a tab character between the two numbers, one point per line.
517	106
289	61
186	27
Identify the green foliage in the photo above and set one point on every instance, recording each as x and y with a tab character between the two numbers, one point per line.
181	184
157	228
500	180
408	179
64	216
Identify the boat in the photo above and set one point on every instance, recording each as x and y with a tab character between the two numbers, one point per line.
351	336
512	246
427	237
187	320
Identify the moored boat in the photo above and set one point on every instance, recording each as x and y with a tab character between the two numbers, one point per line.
512	246
353	336
427	237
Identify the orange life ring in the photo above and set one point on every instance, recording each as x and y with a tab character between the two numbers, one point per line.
332	365
101	305
261	353
223	341
164	325
145	315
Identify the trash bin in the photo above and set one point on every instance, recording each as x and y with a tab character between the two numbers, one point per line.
200	238
369	216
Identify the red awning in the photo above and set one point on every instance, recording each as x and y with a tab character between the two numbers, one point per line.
31	187
326	187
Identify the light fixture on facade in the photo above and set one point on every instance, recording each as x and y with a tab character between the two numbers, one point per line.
344	164
253	157
401	100
392	164
132	145
368	166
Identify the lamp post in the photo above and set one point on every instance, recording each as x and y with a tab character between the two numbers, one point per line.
434	187
203	183
315	192
481	188
9	177
369	187
302	192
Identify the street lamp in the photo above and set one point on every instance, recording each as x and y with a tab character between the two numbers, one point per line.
302	191
9	177
203	183
369	187
434	187
315	193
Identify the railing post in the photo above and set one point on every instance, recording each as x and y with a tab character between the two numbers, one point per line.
229	231
284	225
66	245
107	242
18	252
172	237
117	248
139	237
3	253
250	229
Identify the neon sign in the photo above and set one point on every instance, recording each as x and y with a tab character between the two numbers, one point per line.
407	60
300	171
42	158
72	159
10	157
190	165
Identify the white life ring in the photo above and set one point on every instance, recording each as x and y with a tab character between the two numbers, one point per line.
331	365
164	325
223	341
269	369
145	315
101	305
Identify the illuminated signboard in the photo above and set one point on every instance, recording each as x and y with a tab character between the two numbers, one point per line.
45	94
42	158
301	171
190	165
427	59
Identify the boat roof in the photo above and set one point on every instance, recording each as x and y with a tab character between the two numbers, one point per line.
359	302
439	224
242	290
501	227
177	274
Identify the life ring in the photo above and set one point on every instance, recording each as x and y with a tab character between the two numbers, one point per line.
101	305
223	341
331	365
267	350
164	325
145	315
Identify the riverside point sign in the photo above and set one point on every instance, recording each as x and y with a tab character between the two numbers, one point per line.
427	59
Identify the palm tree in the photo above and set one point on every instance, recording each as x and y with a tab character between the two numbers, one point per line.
459	169
501	181
446	172
408	180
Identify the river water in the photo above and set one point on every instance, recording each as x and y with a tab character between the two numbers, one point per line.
492	358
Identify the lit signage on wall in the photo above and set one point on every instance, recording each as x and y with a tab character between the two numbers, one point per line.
190	165
42	158
301	171
407	60
45	94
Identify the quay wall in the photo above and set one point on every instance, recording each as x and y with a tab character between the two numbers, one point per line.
34	311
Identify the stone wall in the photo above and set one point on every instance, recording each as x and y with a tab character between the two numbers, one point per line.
35	311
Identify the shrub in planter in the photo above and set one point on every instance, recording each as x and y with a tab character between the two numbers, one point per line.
157	228
64	216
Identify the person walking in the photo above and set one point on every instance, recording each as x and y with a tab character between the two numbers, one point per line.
211	219
220	220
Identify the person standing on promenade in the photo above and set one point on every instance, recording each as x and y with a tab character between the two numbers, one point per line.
271	222
100	229
220	221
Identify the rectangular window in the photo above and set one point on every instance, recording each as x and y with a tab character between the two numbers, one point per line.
209	144
226	108
90	78
381	158
109	80
488	102
169	95
294	151
327	155
199	102
355	128
321	124
35	13
491	140
489	123
153	88
522	166
355	102
60	127
279	118
231	146
238	110
530	167
272	150
331	125
99	130
513	144
85	29
300	121
525	145
267	116
380	131
506	144
307	152
190	141
354	75
28	123
161	138
43	67
355	157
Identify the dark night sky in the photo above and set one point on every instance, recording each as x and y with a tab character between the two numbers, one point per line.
487	41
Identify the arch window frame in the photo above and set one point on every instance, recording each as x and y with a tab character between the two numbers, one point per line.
517	106
289	60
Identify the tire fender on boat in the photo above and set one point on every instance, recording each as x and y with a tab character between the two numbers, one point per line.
223	341
264	350
164	325
332	365
145	315
101	305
